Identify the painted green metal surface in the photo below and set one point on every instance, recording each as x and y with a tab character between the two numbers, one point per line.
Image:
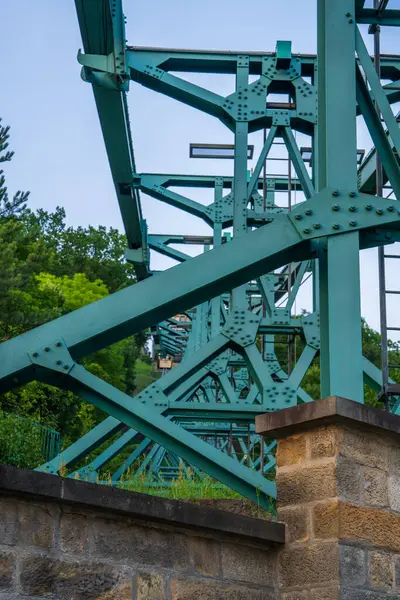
241	291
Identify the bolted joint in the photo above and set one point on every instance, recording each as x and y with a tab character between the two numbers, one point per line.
54	356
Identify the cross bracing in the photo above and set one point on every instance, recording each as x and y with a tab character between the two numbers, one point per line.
239	293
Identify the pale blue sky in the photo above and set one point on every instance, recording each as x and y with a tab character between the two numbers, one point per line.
59	150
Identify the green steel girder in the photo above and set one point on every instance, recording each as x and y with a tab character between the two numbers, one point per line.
390	17
150	423
103	33
331	225
329	213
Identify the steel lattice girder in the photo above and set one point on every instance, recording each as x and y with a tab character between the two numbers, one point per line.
332	225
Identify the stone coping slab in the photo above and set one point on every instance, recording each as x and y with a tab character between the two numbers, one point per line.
333	409
208	521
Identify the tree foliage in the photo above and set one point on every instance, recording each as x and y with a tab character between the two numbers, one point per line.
17	203
46	270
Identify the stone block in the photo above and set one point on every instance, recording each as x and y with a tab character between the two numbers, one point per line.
325	519
8	521
205	556
74	532
381	570
7	569
323	442
353	569
378	527
367	448
350	593
306	483
325	593
114	539
394	492
207	589
394	460
376	487
291	450
75	580
349	482
309	565
297	522
150	586
36	524
253	565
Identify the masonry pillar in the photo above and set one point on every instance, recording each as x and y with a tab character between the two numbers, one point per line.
338	479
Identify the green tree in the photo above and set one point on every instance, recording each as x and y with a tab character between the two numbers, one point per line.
17	203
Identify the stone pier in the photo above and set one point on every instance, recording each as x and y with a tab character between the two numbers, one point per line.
338	478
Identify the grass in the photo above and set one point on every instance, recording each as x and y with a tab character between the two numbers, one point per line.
144	374
182	488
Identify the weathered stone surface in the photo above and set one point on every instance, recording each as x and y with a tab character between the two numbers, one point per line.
353	570
7	568
365	447
362	594
150	586
309	565
378	527
394	459
394	492
248	564
348	475
205	556
117	539
8	521
325	519
90	496
306	483
323	442
292	450
206	589
41	575
381	570
298	595
326	593
36	524
297	521
74	531
376	487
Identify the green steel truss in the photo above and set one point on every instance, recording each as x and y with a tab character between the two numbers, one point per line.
241	290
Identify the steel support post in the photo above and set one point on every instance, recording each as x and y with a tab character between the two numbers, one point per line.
339	271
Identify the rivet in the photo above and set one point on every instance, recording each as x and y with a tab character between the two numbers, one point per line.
352	194
66	367
335	226
59	362
47	349
297	217
335	193
316	225
306	230
368	207
379	211
35	354
308	211
58	344
335	207
352	208
353	223
390	208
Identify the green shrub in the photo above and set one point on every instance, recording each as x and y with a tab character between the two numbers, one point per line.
20	442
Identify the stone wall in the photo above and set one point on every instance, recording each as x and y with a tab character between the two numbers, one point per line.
338	479
71	540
